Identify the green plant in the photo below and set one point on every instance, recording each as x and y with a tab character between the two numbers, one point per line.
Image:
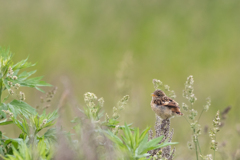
26	152
194	121
130	145
21	114
136	144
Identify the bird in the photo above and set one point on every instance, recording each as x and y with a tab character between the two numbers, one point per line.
164	106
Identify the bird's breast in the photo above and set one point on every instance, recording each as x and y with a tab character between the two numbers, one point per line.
162	111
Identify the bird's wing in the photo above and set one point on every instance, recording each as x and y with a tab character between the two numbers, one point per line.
168	102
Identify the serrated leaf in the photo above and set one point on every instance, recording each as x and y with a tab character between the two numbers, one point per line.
23	64
24	75
17	107
50	135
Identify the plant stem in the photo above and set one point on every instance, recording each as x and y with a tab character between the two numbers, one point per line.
1	82
196	149
214	151
200	115
187	120
195	142
199	147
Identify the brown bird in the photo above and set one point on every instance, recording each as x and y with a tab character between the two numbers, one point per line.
164	106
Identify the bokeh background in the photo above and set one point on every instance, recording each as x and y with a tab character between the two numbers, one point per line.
116	47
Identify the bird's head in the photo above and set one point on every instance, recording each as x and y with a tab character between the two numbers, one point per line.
158	94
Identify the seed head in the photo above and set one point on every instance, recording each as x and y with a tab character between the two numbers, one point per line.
10	71
157	84
190	145
17	86
10	91
123	102
89	98
14	77
9	83
101	101
167	87
185	106
193	114
22	96
106	117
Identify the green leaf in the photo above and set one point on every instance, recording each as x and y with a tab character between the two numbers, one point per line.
142	146
22	64
114	138
15	142
6	98
17	107
165	144
3	106
136	135
143	134
40	89
5	122
6	84
142	155
24	75
127	133
22	125
50	135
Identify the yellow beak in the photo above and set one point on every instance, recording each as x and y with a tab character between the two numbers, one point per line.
153	95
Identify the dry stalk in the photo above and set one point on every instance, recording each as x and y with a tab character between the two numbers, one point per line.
162	128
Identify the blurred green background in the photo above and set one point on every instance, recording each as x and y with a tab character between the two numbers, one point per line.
116	47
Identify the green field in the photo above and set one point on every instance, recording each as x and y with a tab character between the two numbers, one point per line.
93	45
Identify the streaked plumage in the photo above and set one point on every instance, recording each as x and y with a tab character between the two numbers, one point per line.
164	106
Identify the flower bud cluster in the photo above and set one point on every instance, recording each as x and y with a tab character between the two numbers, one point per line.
10	71
89	99
43	123
106	118
14	77
157	84
17	86
123	102
185	106
10	74
10	91
188	91
115	113
190	145
192	115
9	83
196	128
22	96
167	87
206	107
172	94
94	111
158	156
207	157
214	145
50	94
101	102
214	130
